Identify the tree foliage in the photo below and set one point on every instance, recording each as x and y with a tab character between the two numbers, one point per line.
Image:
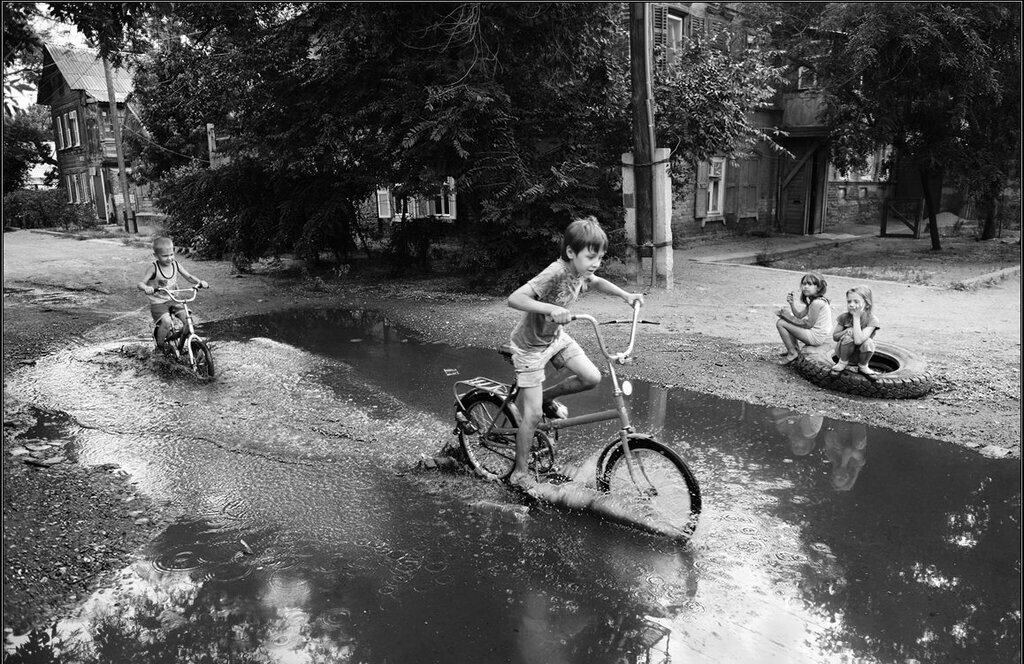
526	106
938	81
26	144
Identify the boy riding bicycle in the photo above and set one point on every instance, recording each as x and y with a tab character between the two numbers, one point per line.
163	273
539	337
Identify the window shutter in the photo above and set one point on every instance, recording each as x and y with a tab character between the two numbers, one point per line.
700	199
383	204
67	132
451	205
732	191
698	25
660	22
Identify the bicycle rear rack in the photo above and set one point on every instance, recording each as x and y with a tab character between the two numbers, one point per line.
485	384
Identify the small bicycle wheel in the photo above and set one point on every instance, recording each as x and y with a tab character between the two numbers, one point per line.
664	486
492	455
202	360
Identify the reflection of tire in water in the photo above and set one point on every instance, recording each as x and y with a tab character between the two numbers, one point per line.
670	491
903	374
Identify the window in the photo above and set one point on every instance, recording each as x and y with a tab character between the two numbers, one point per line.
674	38
383	204
75	193
842	192
73	124
108	126
716	185
59	131
806	78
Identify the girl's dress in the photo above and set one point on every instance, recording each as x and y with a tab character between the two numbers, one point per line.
819	313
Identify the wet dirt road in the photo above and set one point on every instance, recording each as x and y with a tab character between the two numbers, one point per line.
306	534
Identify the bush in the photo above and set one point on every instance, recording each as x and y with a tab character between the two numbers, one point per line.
46	208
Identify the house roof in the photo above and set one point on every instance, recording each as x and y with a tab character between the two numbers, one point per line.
82	70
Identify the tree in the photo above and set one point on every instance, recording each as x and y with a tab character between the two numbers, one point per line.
526	106
940	82
27	139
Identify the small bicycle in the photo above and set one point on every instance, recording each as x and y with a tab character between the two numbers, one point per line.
183	344
632	465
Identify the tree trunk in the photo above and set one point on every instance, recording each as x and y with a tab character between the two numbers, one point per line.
929	203
988	231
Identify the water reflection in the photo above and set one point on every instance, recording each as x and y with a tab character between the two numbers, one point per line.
805	552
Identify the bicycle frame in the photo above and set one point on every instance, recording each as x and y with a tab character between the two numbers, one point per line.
620	412
188	330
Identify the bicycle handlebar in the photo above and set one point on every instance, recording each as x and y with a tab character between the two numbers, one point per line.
614	357
170	293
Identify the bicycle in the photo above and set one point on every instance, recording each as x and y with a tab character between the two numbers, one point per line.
183	344
633	465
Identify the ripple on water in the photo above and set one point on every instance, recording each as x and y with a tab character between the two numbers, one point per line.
179	560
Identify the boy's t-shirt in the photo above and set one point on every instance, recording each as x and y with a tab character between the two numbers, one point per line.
556	284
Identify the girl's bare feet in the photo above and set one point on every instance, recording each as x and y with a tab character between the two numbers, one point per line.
788	358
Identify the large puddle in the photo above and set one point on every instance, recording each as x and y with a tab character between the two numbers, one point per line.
309	538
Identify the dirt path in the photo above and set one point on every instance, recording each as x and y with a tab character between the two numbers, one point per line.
716	336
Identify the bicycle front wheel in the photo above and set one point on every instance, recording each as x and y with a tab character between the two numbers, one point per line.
662	486
492	454
202	360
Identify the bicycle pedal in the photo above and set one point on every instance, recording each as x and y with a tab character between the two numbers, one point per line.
463	424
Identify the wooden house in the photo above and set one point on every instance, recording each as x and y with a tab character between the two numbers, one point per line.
74	86
765	191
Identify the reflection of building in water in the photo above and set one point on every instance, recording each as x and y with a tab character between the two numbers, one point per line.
801	430
845	446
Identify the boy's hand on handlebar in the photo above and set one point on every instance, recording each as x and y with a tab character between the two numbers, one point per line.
203	284
633	298
148	290
560	315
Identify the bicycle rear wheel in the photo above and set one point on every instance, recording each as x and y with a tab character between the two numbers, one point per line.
492	455
666	489
202	360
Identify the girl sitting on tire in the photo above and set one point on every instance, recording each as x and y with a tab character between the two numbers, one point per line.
855	332
809	323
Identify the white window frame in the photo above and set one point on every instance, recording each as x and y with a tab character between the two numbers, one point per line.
716	186
67	131
673	37
383	204
58	122
76	139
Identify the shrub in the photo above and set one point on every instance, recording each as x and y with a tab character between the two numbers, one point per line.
46	208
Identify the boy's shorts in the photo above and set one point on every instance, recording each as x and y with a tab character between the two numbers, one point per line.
530	364
161	308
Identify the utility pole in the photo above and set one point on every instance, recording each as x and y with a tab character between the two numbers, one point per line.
640	29
127	210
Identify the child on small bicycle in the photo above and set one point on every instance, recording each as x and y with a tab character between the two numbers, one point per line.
163	273
539	337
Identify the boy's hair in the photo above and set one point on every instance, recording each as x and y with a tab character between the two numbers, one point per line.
865	293
584	233
817	280
162	242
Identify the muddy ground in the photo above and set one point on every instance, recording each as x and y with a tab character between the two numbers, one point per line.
65	526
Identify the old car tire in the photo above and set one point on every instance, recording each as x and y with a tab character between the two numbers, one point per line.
903	374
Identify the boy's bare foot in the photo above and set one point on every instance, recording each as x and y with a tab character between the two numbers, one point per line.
555	410
523	481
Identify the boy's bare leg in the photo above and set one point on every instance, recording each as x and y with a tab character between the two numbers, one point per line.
530	405
163	328
585	376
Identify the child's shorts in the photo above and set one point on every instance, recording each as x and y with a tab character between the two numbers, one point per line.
161	308
530	364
